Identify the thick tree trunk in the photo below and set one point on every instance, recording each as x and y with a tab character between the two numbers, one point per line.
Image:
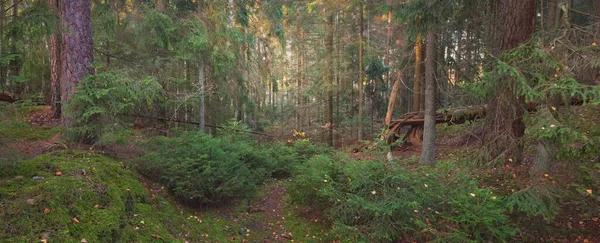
76	49
330	80
504	127
417	79
360	71
428	151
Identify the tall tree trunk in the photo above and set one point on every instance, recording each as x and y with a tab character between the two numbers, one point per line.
428	149
299	109
55	66
388	42
330	79
417	80
201	78
504	127
3	82
76	50
360	71
14	65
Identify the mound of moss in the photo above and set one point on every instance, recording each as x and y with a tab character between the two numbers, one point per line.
71	196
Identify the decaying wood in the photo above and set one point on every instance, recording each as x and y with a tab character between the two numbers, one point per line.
416	121
7	97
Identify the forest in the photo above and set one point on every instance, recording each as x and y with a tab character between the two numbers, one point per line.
299	121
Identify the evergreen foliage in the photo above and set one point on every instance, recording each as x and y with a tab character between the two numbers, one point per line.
99	101
378	201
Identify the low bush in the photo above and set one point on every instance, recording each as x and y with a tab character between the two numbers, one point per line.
377	201
213	170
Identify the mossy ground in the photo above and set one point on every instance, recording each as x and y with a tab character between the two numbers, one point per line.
85	195
93	198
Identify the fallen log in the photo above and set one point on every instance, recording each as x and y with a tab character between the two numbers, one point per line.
416	120
7	97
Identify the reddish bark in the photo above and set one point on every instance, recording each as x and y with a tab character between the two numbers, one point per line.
76	48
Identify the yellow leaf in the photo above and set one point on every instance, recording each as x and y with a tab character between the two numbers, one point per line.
589	191
75	220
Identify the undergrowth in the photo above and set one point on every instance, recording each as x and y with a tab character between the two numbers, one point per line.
214	170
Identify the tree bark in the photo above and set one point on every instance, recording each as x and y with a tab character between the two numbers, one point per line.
360	71
428	150
76	52
55	66
504	127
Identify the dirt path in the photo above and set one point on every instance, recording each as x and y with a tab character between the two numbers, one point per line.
266	216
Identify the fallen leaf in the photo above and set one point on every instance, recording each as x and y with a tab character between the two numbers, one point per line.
59	173
589	191
47	211
83	240
30	201
75	220
96	206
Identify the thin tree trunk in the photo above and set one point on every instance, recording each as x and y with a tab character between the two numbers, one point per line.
393	97
417	79
330	80
201	78
14	65
55	67
360	71
428	149
3	82
388	43
299	109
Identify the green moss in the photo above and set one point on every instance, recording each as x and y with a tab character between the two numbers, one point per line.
21	131
95	199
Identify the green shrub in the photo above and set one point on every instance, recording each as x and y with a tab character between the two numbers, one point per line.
375	201
100	99
214	170
198	167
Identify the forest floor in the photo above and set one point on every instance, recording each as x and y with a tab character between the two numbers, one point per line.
270	217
